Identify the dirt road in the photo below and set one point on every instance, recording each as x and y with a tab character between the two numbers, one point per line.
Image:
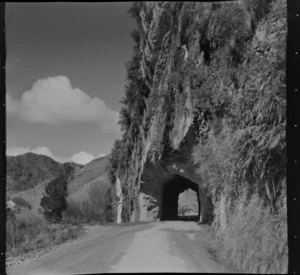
155	247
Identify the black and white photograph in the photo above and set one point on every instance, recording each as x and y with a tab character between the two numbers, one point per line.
146	137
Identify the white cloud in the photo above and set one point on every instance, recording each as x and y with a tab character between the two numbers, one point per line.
54	101
80	158
15	151
84	157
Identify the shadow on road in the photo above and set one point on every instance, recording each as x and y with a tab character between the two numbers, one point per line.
194	218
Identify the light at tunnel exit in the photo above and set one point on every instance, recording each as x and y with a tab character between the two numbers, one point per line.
188	203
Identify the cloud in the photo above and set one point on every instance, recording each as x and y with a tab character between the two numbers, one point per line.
15	151
84	157
80	158
54	101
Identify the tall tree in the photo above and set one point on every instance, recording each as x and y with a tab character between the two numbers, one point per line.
54	201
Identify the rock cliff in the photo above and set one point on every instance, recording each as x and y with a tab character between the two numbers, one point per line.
204	109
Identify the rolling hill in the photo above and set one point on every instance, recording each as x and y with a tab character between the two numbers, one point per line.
92	171
32	196
27	171
39	170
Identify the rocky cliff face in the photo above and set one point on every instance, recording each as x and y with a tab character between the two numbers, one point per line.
160	150
204	109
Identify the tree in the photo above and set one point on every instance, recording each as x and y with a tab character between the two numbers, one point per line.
54	201
69	170
10	227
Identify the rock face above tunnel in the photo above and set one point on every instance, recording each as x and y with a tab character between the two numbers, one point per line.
163	142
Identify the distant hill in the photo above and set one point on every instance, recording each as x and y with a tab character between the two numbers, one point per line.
32	196
90	172
42	169
27	171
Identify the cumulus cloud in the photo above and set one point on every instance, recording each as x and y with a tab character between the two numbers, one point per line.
53	100
15	151
80	158
84	157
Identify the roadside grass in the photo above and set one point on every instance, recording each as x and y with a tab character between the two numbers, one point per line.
34	234
254	240
207	237
91	210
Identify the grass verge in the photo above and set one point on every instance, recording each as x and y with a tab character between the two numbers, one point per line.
34	234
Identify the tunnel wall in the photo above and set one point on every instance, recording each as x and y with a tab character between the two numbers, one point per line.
154	179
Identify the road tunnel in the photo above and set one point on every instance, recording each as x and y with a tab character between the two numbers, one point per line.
174	185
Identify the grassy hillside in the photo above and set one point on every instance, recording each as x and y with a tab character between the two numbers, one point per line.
81	194
85	178
32	196
91	171
26	171
87	200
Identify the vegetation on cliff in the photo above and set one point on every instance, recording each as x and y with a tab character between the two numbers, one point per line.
242	158
219	67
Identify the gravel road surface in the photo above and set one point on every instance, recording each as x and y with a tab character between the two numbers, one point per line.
155	247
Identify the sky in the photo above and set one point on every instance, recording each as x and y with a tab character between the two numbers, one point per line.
65	77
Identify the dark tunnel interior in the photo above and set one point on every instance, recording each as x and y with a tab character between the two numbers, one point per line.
173	185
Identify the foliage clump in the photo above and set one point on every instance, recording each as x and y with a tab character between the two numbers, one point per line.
33	234
242	158
54	201
95	208
246	142
134	106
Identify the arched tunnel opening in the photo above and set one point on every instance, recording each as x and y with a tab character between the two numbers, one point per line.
173	186
188	205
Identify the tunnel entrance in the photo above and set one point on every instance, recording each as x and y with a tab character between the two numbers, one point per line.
173	185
